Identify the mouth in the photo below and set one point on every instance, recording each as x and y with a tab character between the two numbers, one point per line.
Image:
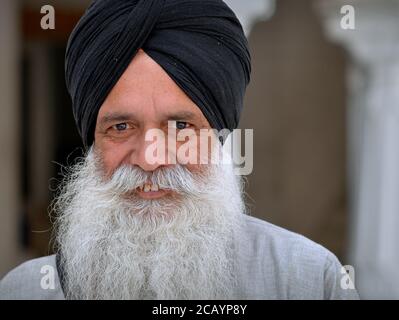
151	191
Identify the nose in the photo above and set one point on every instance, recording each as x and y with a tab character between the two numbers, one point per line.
149	155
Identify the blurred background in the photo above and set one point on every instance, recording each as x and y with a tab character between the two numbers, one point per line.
323	102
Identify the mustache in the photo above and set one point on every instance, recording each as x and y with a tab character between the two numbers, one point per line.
177	178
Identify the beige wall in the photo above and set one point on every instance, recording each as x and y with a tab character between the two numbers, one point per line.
296	105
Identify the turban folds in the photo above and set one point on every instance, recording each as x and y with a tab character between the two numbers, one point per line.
199	43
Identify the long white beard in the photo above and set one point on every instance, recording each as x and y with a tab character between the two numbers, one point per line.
115	246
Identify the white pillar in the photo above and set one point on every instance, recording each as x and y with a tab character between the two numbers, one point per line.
10	204
249	12
373	145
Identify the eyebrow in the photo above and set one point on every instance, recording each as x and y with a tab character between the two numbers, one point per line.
125	116
116	116
182	115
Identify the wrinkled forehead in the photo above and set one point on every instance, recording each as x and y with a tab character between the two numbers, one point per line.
145	92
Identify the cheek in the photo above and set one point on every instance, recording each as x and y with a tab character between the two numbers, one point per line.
200	158
198	168
197	152
194	168
112	157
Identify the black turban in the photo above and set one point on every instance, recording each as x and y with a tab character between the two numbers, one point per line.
199	43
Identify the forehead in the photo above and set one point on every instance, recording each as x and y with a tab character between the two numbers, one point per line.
147	91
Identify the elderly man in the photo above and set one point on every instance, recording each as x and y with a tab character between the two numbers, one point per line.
128	227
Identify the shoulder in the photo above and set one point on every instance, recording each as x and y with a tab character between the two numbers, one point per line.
298	267
33	279
287	244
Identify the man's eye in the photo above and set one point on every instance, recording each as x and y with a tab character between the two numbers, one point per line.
180	125
120	126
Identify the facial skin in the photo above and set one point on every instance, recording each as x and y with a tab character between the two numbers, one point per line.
144	98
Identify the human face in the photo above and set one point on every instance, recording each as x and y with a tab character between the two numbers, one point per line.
144	98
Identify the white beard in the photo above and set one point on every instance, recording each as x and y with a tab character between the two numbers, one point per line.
115	246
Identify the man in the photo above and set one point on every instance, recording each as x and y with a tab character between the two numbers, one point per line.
128	227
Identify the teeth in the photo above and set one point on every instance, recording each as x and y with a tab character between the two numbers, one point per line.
147	187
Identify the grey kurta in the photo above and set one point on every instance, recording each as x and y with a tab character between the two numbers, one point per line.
273	264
